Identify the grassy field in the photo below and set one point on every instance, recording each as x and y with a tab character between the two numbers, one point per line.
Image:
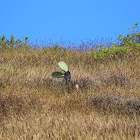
106	105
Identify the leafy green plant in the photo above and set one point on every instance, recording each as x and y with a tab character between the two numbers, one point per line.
107	53
127	44
66	75
131	39
6	44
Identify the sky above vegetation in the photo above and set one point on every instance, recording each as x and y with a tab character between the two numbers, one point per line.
67	20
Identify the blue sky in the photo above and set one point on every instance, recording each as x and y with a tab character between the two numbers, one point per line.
67	20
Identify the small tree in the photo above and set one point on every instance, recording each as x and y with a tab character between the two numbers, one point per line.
132	38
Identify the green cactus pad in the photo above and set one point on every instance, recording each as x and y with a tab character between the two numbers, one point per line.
57	75
63	66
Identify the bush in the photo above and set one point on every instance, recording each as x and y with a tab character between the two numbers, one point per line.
12	43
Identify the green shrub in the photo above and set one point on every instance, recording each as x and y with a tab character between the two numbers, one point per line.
12	43
128	43
131	39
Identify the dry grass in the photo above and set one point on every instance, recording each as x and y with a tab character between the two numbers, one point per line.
32	106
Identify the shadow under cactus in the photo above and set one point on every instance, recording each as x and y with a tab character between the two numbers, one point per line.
84	84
